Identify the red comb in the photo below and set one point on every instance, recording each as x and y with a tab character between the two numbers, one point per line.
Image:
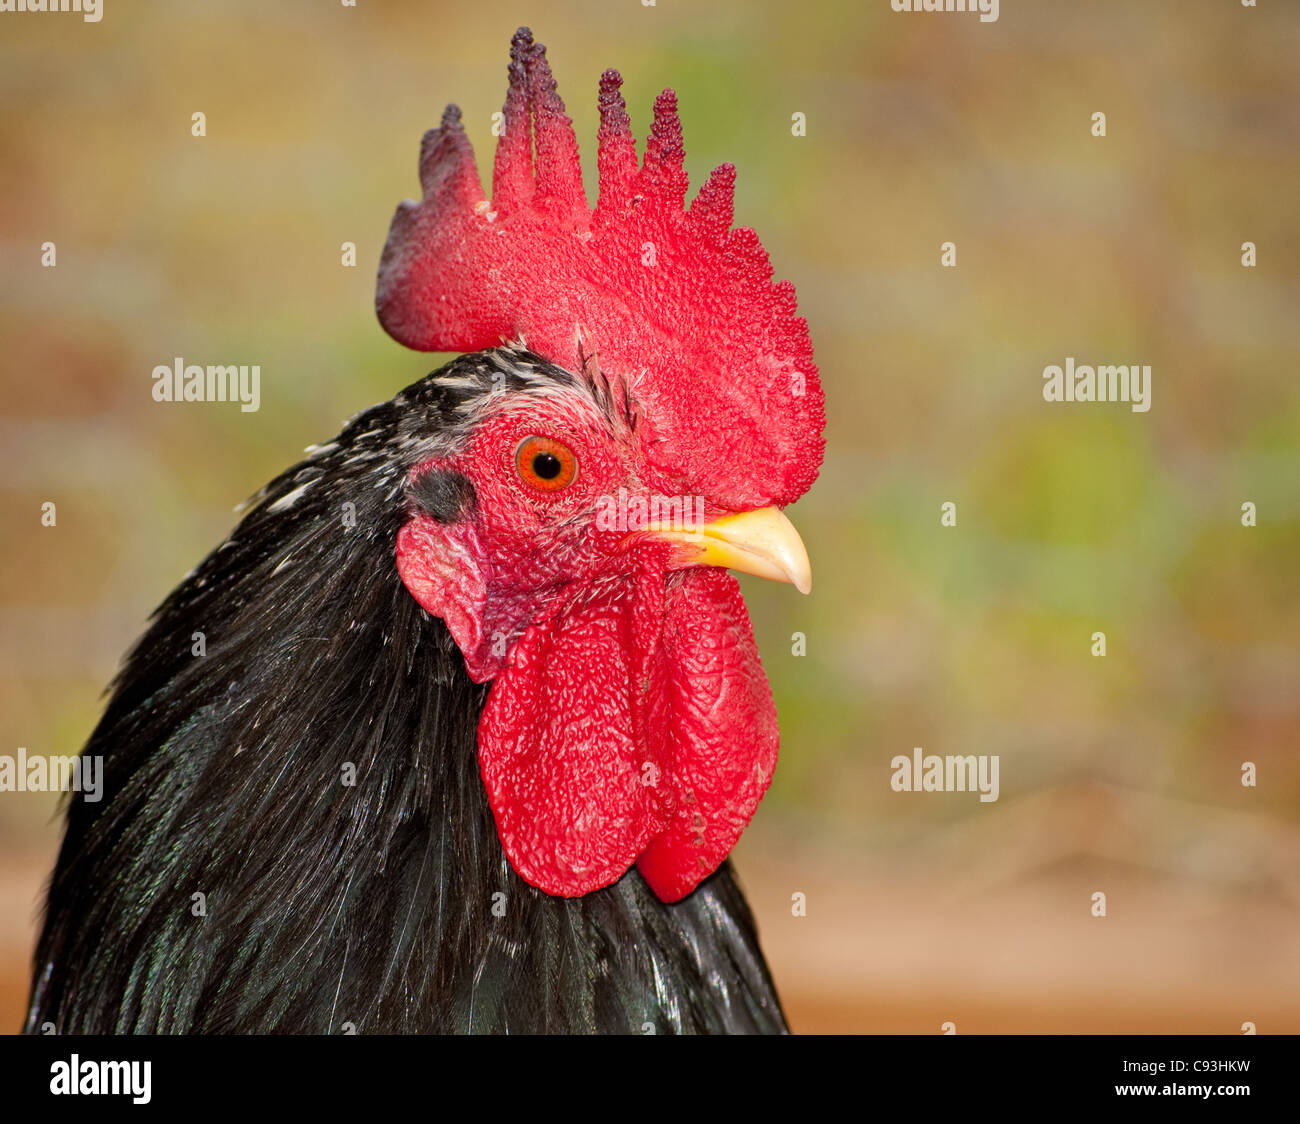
675	302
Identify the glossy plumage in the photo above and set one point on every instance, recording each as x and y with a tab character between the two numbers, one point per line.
385	904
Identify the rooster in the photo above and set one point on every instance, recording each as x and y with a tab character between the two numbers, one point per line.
466	748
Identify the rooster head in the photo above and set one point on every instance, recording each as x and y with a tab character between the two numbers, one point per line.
645	405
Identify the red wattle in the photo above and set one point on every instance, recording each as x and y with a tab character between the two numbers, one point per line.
572	740
724	730
633	725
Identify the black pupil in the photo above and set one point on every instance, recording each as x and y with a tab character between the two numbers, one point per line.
546	466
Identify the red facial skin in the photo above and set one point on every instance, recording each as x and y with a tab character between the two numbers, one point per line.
629	720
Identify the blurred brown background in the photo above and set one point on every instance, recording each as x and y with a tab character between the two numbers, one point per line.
1119	774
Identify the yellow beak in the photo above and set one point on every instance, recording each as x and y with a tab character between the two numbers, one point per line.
762	542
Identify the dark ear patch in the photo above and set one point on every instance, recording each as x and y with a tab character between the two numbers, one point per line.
446	497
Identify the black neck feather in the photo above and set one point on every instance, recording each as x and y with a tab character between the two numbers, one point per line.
314	777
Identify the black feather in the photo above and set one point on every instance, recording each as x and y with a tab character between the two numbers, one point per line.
388	903
447	497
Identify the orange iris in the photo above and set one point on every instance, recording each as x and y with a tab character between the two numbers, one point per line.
545	464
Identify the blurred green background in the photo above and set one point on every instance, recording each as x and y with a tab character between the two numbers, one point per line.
1118	774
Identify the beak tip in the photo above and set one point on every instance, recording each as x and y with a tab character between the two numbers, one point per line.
762	542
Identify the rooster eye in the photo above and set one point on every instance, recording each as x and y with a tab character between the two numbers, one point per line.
544	464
